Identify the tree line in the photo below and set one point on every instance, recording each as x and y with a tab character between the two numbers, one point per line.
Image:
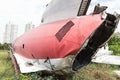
4	46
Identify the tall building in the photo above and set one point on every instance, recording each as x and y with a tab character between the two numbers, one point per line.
10	33
29	26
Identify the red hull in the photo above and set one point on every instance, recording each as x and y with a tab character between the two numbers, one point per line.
58	39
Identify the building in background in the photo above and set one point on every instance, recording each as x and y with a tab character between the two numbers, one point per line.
29	26
10	33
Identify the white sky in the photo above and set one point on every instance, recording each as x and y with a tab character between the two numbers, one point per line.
21	12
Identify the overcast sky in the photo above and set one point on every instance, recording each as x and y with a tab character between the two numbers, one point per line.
21	12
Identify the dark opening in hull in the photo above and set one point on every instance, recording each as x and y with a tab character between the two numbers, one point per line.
95	41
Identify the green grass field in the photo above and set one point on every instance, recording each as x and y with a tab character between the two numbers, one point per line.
91	72
6	66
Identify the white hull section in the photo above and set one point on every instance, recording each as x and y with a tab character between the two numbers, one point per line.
117	72
103	51
33	65
107	59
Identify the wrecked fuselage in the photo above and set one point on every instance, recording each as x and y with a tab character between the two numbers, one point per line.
63	46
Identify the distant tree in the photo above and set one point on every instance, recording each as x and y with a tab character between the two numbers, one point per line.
1	46
6	46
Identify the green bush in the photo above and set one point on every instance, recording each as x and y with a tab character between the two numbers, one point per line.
115	39
114	43
115	49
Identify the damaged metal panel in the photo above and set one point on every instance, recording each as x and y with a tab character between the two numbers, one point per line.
58	10
83	7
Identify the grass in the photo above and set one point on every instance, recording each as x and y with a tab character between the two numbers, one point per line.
91	72
98	72
6	67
